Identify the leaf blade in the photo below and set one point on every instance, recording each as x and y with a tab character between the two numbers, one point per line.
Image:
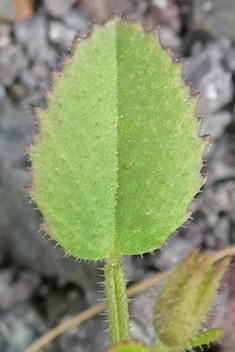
111	141
149	145
85	180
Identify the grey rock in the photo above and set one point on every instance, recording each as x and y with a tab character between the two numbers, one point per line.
132	271
169	39
193	233
16	288
161	4
5	35
141	312
141	7
210	240
17	91
101	11
141	332
76	20
211	53
230	59
215	124
19	328
7	8
222	231
206	75
88	337
36	78
12	62
2	92
63	302
221	163
218	197
215	16
172	251
58	8
15	128
60	35
216	91
31	34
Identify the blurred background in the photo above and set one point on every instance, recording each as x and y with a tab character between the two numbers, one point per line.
39	287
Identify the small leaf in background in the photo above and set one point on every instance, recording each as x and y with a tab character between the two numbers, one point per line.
128	346
204	337
182	304
118	157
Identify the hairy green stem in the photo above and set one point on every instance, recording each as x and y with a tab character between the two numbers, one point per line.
117	302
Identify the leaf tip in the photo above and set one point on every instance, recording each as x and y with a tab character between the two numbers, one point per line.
206	137
28	189
66	60
199	119
35	137
55	75
195	95
28	148
37	113
47	94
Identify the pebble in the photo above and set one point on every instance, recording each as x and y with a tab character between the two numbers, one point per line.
230	59
12	62
206	75
215	16
20	327
216	90
36	77
194	231
215	124
60	35
90	336
5	35
31	34
77	21
16	287
7	9
173	250
218	197
169	39
141	312
222	231
166	13
102	10
222	163
3	93
58	8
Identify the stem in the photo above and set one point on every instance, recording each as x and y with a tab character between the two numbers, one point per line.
116	300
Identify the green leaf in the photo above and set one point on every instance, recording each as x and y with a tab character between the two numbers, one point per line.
204	337
118	157
128	346
181	305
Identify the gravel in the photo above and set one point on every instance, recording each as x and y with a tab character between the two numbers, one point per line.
39	287
37	50
12	62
